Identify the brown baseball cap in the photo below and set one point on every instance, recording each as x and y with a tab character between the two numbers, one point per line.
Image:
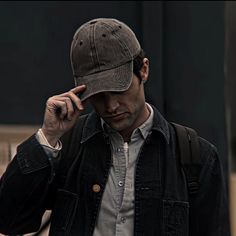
102	53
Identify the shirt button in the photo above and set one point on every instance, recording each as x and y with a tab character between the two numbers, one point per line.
96	188
120	183
123	219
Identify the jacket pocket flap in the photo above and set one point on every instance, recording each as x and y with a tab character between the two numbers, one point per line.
63	211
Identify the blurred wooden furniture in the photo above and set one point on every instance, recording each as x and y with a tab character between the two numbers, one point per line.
10	137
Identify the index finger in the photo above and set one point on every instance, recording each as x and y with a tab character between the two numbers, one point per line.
78	89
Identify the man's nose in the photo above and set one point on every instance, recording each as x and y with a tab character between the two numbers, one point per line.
111	102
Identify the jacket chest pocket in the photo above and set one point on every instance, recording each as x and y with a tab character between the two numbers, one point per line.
63	213
175	218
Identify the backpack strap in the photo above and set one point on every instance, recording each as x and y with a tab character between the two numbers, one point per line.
189	152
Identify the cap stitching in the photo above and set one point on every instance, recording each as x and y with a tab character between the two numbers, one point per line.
74	42
90	92
90	42
121	43
92	46
115	66
94	53
95	47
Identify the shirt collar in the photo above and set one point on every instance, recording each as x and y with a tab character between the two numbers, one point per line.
93	126
142	130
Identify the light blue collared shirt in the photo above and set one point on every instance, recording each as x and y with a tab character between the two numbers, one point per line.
116	215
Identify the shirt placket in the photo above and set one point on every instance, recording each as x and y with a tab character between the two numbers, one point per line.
119	163
125	218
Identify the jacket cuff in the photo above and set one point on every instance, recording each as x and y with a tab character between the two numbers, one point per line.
31	156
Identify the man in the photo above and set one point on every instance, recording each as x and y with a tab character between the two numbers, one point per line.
115	171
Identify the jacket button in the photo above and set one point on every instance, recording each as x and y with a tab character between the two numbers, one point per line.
96	188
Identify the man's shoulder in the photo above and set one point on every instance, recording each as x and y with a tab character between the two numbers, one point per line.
209	152
203	149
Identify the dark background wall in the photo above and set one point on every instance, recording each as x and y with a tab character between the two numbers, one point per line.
184	40
230	80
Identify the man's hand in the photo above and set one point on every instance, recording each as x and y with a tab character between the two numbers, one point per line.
61	113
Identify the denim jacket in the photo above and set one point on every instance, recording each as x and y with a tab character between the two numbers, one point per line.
33	183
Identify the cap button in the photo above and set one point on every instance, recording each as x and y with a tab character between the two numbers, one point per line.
96	188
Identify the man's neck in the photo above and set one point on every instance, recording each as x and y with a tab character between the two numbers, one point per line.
126	134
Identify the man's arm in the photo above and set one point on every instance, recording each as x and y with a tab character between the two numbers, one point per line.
27	188
209	212
24	189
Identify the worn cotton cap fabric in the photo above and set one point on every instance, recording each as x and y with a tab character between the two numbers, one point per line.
102	53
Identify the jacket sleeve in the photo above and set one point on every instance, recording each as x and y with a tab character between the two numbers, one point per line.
209	210
25	189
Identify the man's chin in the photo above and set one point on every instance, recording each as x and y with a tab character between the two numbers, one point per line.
118	126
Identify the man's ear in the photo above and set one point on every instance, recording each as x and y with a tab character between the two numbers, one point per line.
144	71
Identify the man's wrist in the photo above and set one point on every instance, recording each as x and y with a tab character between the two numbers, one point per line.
50	150
50	139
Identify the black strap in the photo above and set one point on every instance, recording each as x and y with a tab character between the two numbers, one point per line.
189	151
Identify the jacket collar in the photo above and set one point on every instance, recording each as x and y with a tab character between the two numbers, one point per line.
160	124
93	126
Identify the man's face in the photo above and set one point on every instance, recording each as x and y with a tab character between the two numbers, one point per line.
123	111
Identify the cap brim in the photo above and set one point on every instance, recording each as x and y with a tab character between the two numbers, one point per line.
117	80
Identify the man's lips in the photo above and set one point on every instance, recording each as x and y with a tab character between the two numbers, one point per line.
116	116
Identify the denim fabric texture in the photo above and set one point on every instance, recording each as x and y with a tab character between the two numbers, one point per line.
32	184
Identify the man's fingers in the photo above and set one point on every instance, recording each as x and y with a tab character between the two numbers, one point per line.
58	107
70	108
76	100
72	95
75	90
66	105
78	89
